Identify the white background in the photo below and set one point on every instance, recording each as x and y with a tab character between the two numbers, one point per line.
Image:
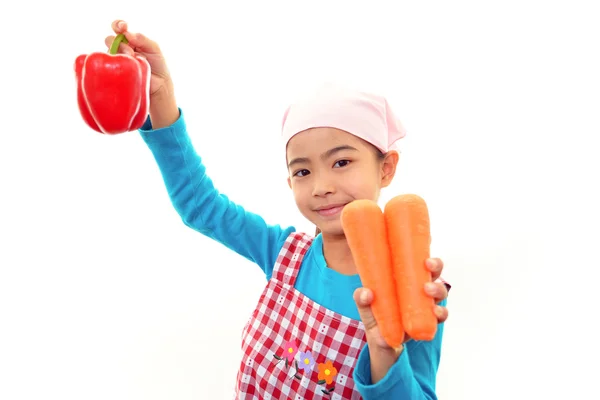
105	294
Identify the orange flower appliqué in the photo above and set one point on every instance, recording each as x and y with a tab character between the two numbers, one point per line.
327	372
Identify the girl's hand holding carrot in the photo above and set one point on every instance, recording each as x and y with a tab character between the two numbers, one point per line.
390	249
382	355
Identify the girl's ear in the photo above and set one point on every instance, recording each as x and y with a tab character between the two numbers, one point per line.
289	181
388	167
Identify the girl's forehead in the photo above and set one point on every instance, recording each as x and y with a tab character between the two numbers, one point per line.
315	142
325	136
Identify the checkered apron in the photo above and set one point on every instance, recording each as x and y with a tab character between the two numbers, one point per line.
294	348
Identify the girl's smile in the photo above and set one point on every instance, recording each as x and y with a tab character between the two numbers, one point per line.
330	210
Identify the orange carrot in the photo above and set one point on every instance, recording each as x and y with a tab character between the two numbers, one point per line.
408	226
364	226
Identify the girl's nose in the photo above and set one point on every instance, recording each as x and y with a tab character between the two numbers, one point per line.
323	187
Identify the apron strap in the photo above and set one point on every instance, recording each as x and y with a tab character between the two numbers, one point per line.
290	258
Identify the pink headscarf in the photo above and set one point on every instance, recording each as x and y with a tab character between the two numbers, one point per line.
365	115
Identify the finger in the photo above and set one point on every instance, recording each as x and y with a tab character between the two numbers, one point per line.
363	298
141	44
119	26
435	265
123	48
437	290
441	313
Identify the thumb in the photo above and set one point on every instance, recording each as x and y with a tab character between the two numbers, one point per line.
363	298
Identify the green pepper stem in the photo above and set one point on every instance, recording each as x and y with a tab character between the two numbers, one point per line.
114	47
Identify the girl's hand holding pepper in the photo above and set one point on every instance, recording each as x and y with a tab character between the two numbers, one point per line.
381	354
163	106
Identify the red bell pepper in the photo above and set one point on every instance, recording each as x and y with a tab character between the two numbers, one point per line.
113	90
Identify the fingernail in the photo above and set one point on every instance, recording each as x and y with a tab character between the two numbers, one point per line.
430	287
439	312
121	24
431	263
363	296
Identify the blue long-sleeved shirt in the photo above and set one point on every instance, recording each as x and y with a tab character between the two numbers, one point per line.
203	208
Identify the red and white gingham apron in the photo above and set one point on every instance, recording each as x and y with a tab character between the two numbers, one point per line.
294	348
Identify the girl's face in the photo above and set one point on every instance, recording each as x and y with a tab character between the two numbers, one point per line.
328	168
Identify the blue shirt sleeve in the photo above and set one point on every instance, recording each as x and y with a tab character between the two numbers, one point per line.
202	207
413	376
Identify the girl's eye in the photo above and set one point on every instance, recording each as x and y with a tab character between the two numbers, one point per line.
302	172
342	163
